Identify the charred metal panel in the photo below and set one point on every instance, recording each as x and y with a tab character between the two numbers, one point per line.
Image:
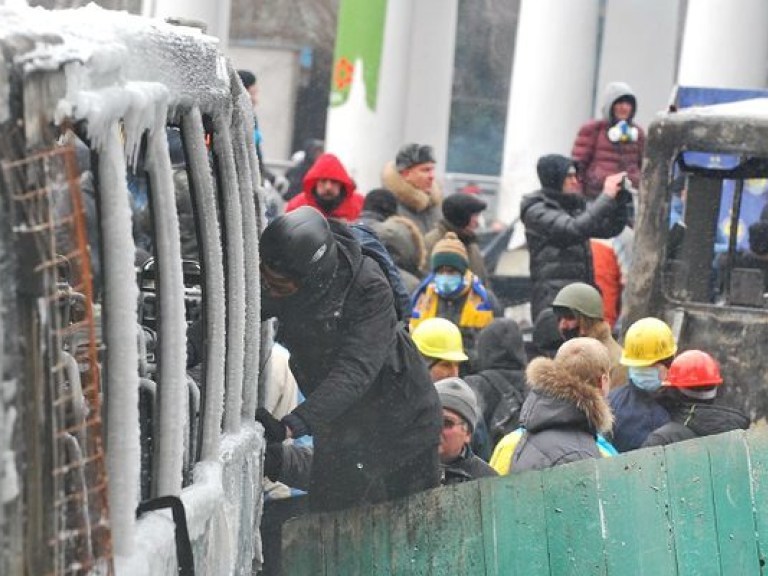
678	290
701	218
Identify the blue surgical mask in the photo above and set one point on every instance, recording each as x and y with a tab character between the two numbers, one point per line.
447	284
645	377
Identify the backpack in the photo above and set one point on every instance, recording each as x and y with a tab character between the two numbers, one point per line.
373	248
505	417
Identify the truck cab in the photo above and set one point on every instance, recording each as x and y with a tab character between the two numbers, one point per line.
703	189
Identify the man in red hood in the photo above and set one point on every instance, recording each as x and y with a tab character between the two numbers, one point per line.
328	187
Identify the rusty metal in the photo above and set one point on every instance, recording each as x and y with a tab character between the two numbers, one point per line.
47	211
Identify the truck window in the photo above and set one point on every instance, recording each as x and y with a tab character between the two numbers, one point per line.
716	253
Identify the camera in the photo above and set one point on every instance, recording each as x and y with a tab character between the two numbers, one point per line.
626	186
628	195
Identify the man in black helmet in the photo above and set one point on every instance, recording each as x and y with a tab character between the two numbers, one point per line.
370	404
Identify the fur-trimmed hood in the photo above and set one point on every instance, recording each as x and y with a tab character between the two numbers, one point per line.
404	242
559	399
406	193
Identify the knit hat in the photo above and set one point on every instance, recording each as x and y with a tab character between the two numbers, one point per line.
450	251
456	395
413	154
458	209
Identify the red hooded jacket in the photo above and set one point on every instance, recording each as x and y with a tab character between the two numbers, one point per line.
328	166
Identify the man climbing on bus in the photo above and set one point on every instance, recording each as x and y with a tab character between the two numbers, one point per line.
370	405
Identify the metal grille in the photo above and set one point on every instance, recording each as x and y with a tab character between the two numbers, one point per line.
50	236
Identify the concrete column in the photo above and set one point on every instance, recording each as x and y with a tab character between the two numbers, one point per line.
725	44
412	86
640	48
430	79
551	91
215	15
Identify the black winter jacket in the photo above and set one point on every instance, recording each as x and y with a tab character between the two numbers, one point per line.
370	404
465	468
694	418
561	416
558	227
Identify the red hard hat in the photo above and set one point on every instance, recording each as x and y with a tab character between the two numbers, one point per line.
693	368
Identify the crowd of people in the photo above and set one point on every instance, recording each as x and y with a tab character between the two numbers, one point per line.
411	375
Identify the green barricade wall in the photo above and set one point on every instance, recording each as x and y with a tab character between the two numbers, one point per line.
698	507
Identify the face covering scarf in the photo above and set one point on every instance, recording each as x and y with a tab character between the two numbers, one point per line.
645	377
447	284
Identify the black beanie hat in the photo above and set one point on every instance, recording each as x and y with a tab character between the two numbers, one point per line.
459	208
381	201
247	77
552	170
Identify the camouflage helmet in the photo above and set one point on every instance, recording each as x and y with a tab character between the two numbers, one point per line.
581	298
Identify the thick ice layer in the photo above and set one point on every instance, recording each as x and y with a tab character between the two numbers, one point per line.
118	47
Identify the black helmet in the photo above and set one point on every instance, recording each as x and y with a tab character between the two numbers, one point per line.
301	246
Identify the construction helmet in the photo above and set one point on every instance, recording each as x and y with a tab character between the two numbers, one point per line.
693	368
439	338
648	341
581	298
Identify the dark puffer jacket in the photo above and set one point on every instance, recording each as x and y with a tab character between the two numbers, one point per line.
694	418
499	382
370	404
562	417
558	227
597	156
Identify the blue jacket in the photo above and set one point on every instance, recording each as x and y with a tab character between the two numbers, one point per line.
636	414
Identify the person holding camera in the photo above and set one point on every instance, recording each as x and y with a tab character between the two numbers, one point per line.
559	224
613	143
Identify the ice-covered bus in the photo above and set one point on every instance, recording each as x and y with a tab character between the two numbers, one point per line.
129	212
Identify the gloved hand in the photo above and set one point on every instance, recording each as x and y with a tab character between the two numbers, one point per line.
274	430
273	461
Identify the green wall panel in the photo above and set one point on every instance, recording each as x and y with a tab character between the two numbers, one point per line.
732	491
757	444
692	509
574	528
638	536
514	525
695	508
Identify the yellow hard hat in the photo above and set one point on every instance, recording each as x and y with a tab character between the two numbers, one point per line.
439	338
648	341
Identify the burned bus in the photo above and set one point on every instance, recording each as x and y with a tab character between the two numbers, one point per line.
129	213
704	182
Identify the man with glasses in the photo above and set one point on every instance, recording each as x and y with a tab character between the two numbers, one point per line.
559	223
460	415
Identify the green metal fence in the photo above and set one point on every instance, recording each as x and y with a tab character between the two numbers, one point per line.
694	508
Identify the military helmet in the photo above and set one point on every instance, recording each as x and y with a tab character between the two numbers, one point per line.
581	298
441	339
648	341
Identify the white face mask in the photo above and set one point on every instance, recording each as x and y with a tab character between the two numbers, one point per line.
645	377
